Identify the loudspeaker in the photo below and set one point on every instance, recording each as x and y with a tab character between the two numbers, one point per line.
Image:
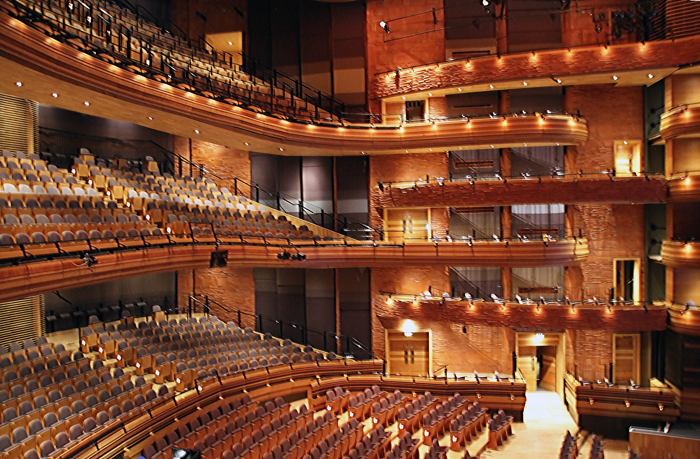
219	259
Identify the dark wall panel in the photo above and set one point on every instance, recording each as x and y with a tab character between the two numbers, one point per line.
352	175
533	24
354	298
317	183
315	45
348	35
291	300
259	31
284	21
320	306
537	99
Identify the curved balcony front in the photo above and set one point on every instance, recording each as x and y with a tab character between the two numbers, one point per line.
30	274
679	254
570	189
46	66
684	187
684	320
590	64
682	121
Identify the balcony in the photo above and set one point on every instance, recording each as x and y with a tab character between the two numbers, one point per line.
684	187
683	319
599	188
681	121
680	254
593	64
45	66
39	268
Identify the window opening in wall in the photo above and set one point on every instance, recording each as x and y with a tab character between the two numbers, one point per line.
628	157
415	110
626	277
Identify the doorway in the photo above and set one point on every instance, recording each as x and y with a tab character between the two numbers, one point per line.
408	352
541	361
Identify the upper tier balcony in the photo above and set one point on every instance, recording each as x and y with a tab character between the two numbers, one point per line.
682	121
34	66
624	64
601	188
38	268
680	254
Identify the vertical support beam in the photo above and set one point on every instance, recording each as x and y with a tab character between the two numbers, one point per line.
501	29
507	282
338	349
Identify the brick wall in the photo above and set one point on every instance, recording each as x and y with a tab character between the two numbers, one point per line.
225	162
409	167
234	288
483	347
383	56
613	231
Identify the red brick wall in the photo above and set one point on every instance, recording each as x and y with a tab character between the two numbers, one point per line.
409	167
384	56
234	288
613	231
225	162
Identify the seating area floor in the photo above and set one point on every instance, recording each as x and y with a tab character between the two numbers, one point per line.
546	421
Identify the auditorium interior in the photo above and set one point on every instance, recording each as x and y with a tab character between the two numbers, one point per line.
349	229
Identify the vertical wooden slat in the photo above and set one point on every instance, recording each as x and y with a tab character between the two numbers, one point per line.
22	319
19	124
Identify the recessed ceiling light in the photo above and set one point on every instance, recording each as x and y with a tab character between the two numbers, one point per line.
54	94
87	104
363	152
459	89
19	84
524	83
246	144
491	146
615	77
430	94
281	149
557	144
491	86
196	131
150	118
403	97
525	144
230	43
406	151
650	76
558	80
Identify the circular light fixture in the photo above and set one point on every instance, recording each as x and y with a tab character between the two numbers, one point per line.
19	84
87	104
246	143
196	131
650	76
524	83
150	118
281	149
231	44
55	95
615	77
491	86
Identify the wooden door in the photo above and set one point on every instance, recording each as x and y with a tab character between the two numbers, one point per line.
626	358
409	355
406	225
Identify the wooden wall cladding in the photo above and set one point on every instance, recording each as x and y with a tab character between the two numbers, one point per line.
545	64
27	54
681	122
569	190
32	278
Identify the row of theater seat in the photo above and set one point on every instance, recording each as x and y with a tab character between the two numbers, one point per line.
405	448
437	421
411	414
467	425
569	448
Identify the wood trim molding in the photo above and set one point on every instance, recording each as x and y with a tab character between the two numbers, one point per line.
597	189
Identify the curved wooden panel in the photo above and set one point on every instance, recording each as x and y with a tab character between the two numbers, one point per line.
568	190
681	122
685	189
45	66
544	64
685	321
29	279
680	254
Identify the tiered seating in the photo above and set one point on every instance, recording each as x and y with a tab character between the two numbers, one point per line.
596	448
499	429
466	425
63	412
436	451
360	405
103	207
374	445
437	422
117	36
385	410
411	414
406	448
569	448
337	400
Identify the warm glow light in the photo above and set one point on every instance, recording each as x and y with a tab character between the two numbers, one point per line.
389	301
408	328
538	338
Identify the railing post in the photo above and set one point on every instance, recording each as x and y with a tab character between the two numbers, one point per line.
235	186
347	345
301	209
281	329
323	215
260	323
515	364
239	319
257	193
189	306
612	378
325	343
279	204
206	302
